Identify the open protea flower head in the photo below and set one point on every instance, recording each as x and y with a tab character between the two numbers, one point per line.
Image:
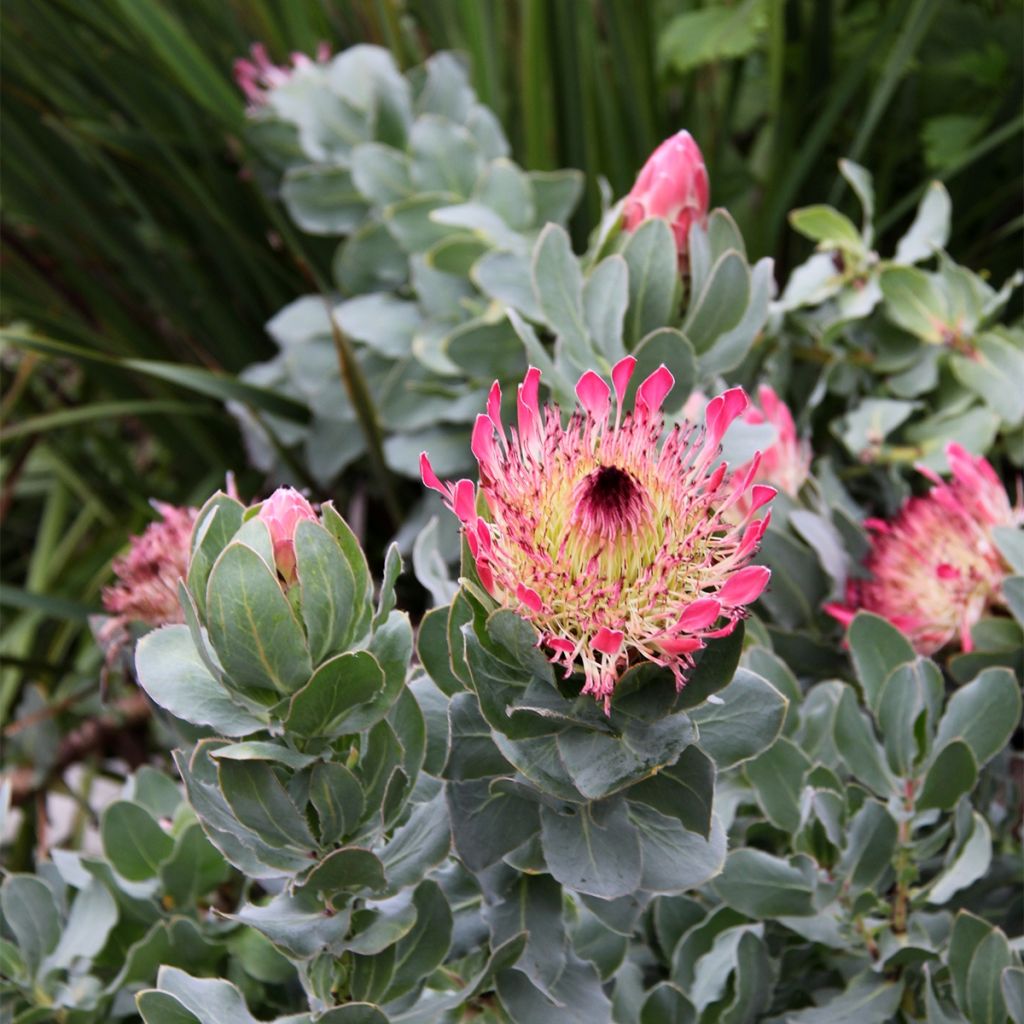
615	547
282	512
935	570
672	185
147	576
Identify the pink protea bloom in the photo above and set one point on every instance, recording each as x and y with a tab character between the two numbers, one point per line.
617	548
147	576
935	569
786	463
672	185
282	512
258	76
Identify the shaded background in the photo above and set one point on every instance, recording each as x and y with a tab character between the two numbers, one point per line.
132	230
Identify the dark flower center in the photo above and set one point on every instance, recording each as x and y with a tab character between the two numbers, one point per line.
609	501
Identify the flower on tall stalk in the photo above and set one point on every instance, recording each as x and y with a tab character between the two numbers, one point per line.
282	512
935	569
147	576
257	76
617	548
672	185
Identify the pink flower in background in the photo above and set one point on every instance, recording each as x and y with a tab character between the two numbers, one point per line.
786	463
672	185
147	576
617	548
282	512
257	76
935	569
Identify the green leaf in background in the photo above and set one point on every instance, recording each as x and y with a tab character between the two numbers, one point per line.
828	227
991	372
877	648
666	1004
865	428
348	869
870	845
760	885
952	773
345	694
487	825
172	672
211	1000
672	348
418	845
673	858
338	798
532	905
423	949
908	711
255	794
930	228
296	924
1013	992
252	626
711	34
857	746
558	288
322	199
914	302
162	1008
600	765
30	911
970	863
746	722
592	848
132	840
684	790
605	300
216	523
1010	541
868	999
777	776
650	254
983	714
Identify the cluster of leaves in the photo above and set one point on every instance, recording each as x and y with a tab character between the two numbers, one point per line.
851	837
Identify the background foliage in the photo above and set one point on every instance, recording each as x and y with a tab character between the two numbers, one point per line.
148	240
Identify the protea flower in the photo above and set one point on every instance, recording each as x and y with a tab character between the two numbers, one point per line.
672	185
282	512
935	570
617	548
147	585
257	76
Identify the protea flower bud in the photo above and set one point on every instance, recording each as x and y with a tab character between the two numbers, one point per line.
672	185
147	576
615	547
935	569
282	512
257	76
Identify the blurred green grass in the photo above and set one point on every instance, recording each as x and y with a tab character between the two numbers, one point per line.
132	230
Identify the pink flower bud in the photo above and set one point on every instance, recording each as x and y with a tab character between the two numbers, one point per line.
282	512
672	185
